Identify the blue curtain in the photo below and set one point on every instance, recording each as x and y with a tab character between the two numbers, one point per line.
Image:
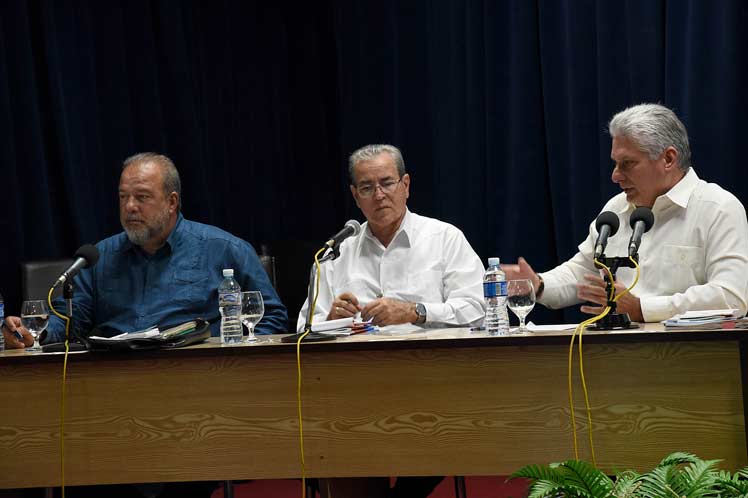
500	108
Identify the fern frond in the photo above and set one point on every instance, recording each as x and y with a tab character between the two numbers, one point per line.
658	483
697	479
548	489
586	477
626	485
677	458
539	472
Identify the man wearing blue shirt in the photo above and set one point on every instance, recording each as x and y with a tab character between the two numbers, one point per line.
163	269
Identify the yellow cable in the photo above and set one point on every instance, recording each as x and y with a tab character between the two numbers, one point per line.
580	328
313	305
636	279
62	393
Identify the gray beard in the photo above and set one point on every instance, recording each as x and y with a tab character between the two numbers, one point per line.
141	236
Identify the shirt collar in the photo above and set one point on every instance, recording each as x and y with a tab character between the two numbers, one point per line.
679	194
405	230
173	237
681	191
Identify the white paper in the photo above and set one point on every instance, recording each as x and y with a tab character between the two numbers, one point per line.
551	328
700	315
340	323
142	334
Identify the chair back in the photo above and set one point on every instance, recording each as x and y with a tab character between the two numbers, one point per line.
268	262
38	276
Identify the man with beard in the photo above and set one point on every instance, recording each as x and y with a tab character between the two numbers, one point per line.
163	269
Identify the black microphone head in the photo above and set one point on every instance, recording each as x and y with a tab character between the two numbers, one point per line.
608	218
355	225
89	253
642	214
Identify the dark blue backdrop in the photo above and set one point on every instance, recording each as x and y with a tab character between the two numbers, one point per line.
500	108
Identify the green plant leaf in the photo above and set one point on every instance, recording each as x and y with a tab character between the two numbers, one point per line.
626	484
587	478
538	472
698	479
548	489
677	458
658	483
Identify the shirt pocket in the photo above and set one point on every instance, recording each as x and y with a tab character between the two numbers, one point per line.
683	266
190	286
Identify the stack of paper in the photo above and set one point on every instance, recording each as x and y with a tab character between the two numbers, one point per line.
707	320
343	327
140	334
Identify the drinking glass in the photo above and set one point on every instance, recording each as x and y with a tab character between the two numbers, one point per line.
35	317
253	308
521	300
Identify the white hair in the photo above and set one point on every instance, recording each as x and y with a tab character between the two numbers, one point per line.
653	128
368	152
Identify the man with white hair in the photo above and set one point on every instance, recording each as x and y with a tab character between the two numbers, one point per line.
696	255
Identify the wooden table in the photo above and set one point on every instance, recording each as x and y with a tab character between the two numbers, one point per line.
443	402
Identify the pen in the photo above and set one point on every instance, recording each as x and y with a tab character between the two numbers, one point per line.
16	333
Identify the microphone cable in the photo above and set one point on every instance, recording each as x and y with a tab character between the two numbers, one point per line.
579	331
313	305
62	393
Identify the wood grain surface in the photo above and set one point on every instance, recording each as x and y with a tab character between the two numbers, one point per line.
408	411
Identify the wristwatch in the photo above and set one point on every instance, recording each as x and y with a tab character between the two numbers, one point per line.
421	312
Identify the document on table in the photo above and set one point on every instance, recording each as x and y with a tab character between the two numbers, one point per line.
539	329
141	334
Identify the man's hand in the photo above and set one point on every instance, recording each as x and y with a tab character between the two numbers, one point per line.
13	325
388	311
593	290
520	271
344	306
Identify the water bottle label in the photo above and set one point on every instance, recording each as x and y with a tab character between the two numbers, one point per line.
2	314
494	289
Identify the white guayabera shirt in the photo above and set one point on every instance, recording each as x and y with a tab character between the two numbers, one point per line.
695	257
428	261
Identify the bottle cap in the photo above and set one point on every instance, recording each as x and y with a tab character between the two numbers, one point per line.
228	272
494	261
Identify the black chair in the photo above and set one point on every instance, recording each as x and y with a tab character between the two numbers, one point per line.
268	262
38	276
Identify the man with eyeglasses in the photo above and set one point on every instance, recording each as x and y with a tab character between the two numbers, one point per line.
401	270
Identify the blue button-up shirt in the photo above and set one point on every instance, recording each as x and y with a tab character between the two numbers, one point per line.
129	290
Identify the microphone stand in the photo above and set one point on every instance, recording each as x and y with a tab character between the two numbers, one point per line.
313	336
77	343
614	320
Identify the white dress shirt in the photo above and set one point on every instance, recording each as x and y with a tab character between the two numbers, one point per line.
695	257
428	261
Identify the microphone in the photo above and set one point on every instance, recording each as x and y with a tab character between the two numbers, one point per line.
351	228
607	225
641	221
86	256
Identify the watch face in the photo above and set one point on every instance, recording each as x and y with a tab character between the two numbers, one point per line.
421	311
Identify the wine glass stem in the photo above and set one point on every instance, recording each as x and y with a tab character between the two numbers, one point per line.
522	327
251	334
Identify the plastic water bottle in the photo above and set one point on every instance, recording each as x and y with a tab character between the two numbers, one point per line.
494	293
2	321
230	306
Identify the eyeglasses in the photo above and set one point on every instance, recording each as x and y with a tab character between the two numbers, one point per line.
387	186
